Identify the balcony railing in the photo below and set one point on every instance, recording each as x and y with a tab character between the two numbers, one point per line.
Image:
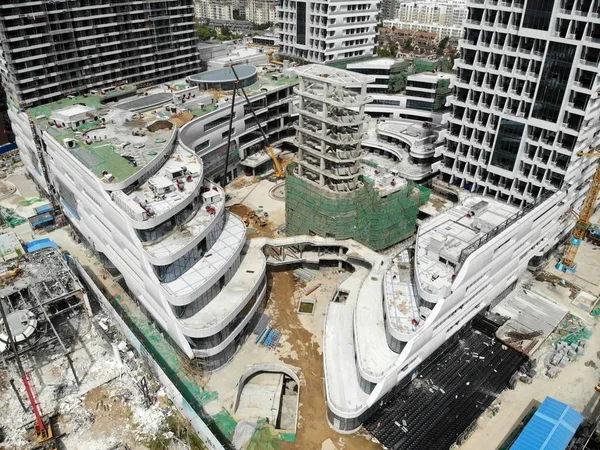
467	251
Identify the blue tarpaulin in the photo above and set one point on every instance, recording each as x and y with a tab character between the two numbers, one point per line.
44	208
39	245
551	428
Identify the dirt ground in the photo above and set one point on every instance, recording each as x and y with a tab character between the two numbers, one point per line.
107	410
254	230
313	428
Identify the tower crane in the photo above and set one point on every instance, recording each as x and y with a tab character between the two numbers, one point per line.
567	264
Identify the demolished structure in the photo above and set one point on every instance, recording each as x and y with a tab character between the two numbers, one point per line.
35	289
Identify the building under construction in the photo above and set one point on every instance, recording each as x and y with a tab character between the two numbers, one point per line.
329	192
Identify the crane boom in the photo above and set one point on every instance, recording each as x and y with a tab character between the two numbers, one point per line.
583	221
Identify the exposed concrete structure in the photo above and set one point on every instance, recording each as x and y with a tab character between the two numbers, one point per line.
34	289
331	192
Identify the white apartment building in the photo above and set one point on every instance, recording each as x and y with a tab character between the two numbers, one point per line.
261	11
442	31
139	188
322	32
53	49
526	100
442	18
213	10
448	13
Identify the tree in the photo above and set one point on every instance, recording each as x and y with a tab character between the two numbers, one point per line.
225	31
205	32
407	45
393	47
383	52
442	46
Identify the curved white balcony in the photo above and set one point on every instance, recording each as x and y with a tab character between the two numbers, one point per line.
185	237
401	303
212	266
172	188
232	299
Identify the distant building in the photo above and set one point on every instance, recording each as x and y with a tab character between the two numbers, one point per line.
52	49
440	31
322	32
261	11
213	10
235	26
428	12
444	18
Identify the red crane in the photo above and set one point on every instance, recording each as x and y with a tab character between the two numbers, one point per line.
43	431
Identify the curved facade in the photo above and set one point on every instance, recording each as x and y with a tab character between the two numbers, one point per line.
148	208
224	78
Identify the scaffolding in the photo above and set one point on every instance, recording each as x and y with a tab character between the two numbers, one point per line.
364	215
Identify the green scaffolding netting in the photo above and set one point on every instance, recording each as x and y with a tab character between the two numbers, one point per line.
378	222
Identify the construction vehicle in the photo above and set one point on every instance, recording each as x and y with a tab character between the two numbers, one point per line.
8	276
272	59
43	429
278	169
257	219
593	235
567	264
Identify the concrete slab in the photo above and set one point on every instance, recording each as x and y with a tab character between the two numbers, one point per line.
532	311
261	397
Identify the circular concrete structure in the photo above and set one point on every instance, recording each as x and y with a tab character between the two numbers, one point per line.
22	325
224	78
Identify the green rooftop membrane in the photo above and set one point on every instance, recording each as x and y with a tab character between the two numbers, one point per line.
375	221
100	157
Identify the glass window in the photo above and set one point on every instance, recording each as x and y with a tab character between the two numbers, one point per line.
538	14
301	23
507	144
553	82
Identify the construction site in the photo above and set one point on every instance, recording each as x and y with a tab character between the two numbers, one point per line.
324	301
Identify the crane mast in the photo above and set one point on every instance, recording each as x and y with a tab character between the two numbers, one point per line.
567	264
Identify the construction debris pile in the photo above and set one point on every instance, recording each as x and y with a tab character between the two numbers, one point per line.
569	341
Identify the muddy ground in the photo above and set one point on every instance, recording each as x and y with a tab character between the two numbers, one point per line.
313	428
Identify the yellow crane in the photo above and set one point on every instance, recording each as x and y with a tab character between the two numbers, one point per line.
583	220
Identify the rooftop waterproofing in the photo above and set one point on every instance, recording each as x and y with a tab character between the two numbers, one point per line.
441	241
117	131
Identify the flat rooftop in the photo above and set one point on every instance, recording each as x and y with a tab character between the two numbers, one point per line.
429	77
441	240
117	137
224	74
375	63
401	299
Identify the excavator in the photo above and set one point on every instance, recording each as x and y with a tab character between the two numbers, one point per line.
567	264
272	60
8	276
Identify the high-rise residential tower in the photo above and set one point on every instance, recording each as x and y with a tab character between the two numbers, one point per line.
51	49
326	31
526	99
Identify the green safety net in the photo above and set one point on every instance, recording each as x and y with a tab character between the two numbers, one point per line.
263	438
225	423
377	222
30	201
